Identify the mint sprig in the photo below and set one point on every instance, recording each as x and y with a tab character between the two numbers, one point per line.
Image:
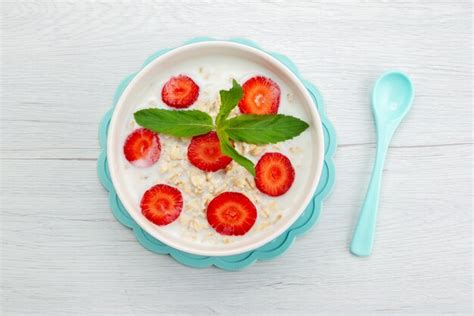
176	123
229	150
252	129
264	129
229	100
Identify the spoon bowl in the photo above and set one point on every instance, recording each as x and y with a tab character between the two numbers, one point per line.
392	96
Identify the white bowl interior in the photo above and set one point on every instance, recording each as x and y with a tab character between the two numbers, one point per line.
147	83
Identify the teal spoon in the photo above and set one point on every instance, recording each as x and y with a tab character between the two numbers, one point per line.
391	100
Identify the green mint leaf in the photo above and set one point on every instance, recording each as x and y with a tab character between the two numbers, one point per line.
264	129
229	150
175	123
229	100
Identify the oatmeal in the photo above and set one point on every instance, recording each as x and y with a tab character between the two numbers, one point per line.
198	188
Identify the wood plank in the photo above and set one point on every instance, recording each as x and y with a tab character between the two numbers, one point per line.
63	252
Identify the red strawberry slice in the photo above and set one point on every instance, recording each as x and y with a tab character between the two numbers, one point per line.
261	96
231	213
204	152
180	92
142	148
274	174
162	204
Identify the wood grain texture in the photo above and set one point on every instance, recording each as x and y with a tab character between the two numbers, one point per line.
63	252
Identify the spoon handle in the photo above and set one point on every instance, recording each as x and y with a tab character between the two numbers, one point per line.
363	238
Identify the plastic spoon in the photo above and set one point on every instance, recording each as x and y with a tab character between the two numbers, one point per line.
391	100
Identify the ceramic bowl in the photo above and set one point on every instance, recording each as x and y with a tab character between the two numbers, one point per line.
146	78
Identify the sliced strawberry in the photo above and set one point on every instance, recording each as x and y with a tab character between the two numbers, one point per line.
205	153
261	96
161	204
180	92
142	147
231	213
274	174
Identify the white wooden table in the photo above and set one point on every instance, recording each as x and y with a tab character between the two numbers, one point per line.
63	252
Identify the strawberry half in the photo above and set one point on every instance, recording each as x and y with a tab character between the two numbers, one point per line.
142	148
231	213
180	92
274	174
205	153
261	95
162	204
